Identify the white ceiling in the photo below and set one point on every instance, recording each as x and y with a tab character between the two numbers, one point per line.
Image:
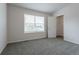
42	7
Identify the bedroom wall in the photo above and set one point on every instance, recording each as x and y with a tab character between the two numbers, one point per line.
3	26
16	24
71	22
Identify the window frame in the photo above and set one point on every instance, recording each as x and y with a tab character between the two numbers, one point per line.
34	23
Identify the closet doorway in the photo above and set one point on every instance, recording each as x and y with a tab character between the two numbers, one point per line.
60	26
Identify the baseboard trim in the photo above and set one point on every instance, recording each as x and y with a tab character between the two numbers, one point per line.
3	49
71	41
26	40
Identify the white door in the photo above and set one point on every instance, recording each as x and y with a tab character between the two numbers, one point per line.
51	27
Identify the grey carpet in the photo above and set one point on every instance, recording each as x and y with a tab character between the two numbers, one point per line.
42	47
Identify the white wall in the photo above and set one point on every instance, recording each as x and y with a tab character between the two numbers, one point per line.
71	22
51	27
16	24
3	25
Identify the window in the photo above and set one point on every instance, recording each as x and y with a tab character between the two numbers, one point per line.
33	23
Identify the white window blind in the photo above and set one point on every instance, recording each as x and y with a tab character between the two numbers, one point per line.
33	23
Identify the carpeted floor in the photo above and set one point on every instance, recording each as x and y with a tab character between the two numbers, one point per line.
42	47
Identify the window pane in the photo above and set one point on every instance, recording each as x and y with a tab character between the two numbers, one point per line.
39	19
29	18
39	27
28	23
39	23
29	27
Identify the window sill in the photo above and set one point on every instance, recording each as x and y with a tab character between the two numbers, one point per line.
34	32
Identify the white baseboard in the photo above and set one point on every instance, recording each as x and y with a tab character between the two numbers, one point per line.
25	40
2	49
72	41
